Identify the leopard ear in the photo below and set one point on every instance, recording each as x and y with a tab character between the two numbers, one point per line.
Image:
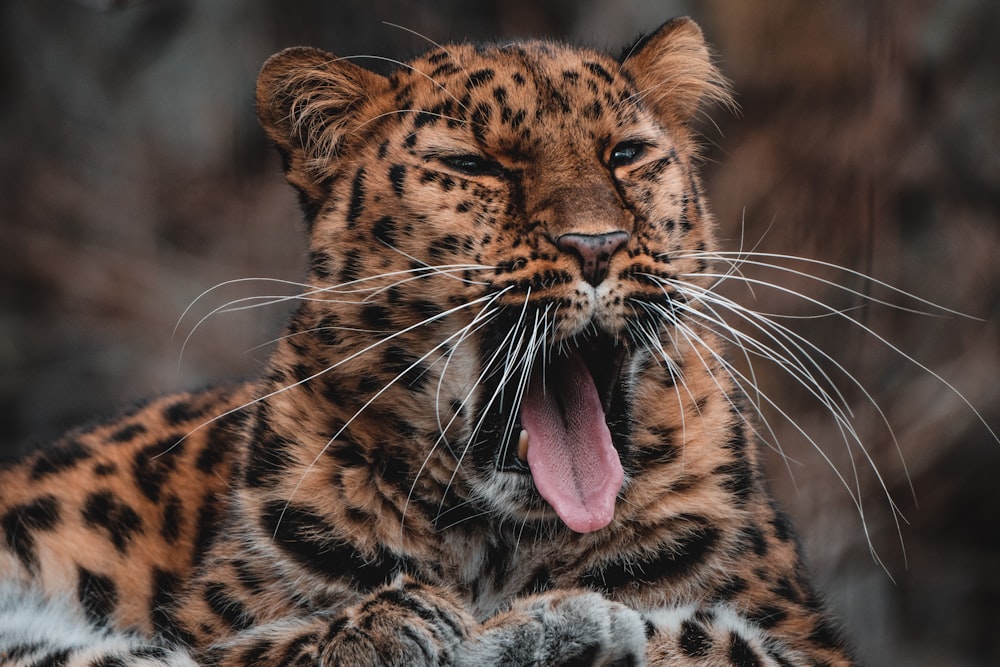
308	101
674	72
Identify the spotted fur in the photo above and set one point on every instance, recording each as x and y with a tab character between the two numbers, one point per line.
482	222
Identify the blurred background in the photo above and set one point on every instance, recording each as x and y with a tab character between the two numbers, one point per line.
133	178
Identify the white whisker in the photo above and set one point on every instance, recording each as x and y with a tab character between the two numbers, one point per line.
320	373
853	492
511	363
794	360
882	340
377	394
743	258
228	283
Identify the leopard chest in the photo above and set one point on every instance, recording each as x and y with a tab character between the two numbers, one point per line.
488	573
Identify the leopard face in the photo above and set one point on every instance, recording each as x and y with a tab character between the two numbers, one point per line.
499	235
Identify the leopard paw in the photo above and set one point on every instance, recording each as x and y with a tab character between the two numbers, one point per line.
564	628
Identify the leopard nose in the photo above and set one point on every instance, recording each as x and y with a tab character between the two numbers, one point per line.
594	252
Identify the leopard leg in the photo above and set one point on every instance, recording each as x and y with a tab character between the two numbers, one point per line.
412	624
695	636
405	623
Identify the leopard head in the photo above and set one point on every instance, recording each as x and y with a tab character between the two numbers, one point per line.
497	233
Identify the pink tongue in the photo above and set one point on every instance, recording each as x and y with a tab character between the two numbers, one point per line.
572	461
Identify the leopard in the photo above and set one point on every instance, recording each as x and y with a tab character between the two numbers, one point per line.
500	428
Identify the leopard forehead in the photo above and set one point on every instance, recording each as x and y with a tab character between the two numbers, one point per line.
517	100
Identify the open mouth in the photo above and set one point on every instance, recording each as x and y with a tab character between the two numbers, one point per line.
563	439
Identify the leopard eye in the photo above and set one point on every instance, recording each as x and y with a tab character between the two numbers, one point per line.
626	153
472	165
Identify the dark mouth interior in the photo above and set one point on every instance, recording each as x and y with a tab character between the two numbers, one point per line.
603	358
604	361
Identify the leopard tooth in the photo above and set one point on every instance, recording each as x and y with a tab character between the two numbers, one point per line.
522	445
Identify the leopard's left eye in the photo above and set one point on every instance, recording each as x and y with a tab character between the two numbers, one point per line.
626	153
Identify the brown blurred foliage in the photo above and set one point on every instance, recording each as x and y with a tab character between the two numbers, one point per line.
134	178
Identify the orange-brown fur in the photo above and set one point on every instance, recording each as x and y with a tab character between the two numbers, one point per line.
344	490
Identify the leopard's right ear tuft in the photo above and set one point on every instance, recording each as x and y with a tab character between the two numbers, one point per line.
308	101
